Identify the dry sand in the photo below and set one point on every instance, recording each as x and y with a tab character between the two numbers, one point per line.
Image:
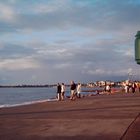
100	117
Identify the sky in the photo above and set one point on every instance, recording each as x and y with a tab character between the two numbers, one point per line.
50	41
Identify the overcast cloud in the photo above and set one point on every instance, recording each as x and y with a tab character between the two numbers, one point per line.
49	41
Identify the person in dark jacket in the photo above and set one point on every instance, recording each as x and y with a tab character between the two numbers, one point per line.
73	90
59	92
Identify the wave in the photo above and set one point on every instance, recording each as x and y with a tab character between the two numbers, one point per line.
26	103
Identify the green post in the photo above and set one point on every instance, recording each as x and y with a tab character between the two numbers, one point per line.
137	48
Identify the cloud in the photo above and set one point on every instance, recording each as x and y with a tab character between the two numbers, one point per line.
10	50
107	72
67	14
51	6
7	13
18	64
64	39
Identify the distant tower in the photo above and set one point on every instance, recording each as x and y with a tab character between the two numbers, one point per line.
137	48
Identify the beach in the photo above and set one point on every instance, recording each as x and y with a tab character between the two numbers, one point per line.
98	117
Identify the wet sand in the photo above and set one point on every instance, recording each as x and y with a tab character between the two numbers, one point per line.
99	117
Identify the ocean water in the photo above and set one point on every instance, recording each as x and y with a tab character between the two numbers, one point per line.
10	97
19	96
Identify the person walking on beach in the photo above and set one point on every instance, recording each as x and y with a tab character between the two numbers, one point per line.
108	88
62	91
79	90
133	87
126	88
59	92
73	91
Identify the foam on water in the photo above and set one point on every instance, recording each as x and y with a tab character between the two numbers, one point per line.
26	103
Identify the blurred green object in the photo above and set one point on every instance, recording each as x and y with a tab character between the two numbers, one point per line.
137	48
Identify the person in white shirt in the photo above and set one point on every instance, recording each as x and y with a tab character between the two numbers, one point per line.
108	88
63	91
79	90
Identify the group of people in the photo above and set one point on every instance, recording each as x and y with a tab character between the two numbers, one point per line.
131	86
60	91
75	91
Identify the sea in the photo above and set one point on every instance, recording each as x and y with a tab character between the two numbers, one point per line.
10	97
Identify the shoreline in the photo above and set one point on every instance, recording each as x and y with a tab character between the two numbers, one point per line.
84	93
27	103
101	117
